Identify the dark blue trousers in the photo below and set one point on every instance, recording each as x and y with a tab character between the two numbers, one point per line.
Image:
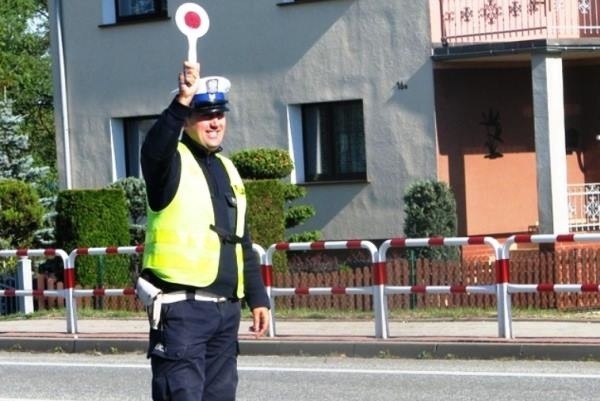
194	355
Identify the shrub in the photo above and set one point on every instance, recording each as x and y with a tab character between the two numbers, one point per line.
430	210
262	169
265	215
135	198
95	218
305	236
256	164
20	213
298	214
265	211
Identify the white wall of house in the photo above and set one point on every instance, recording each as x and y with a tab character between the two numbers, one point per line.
276	57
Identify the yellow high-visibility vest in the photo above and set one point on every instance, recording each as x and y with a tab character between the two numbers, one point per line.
180	247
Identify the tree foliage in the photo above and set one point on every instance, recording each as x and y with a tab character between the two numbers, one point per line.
20	214
26	74
15	159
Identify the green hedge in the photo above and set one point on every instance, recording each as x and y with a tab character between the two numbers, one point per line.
265	215
95	218
265	211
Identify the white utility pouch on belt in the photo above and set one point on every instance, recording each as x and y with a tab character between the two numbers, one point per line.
151	298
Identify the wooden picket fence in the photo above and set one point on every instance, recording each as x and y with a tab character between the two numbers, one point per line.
567	266
49	282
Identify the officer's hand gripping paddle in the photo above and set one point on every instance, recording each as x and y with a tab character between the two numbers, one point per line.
193	22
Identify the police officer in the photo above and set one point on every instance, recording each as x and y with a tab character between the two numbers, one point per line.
198	252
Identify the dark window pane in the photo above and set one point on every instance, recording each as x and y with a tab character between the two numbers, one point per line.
138	9
135	132
333	140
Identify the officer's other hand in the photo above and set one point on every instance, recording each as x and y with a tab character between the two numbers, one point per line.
188	82
260	318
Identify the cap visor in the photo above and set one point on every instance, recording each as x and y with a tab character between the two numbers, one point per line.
211	109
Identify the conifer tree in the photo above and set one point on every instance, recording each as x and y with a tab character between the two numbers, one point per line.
16	162
15	156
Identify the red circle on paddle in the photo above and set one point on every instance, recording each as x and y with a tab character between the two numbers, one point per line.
192	19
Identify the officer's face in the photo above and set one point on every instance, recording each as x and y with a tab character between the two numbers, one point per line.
207	129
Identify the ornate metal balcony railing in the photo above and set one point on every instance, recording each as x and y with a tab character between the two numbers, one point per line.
584	207
483	21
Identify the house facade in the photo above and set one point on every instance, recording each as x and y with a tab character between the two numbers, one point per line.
368	96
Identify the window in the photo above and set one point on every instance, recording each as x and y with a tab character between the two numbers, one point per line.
333	141
127	137
127	10
123	11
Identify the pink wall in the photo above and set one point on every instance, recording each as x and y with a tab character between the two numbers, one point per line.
496	196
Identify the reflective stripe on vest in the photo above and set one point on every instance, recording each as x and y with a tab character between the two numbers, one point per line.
180	247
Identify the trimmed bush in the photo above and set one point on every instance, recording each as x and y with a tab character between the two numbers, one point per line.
265	216
258	164
298	214
95	218
20	213
265	211
262	171
430	210
135	197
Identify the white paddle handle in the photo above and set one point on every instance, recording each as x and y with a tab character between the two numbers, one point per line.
192	53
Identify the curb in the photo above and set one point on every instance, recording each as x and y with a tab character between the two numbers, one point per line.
367	348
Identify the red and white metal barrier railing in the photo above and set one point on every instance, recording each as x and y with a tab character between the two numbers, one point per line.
379	288
319	246
438	289
96	251
260	252
104	292
66	292
13	292
121	250
541	287
558	288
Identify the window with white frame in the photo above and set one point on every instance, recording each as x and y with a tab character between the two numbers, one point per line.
128	134
122	11
332	140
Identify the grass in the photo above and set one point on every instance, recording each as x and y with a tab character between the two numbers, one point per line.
440	314
308	314
82	313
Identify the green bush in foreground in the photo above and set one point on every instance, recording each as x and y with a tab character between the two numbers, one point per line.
95	218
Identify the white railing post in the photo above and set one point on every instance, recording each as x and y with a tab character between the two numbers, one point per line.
504	306
380	304
25	282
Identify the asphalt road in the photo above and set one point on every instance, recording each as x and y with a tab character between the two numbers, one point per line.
90	377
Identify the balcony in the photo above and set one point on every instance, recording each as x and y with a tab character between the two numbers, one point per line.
466	22
584	207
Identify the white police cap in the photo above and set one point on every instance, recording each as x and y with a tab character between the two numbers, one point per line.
212	95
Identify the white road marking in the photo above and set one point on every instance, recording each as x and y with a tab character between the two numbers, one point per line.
322	370
423	372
